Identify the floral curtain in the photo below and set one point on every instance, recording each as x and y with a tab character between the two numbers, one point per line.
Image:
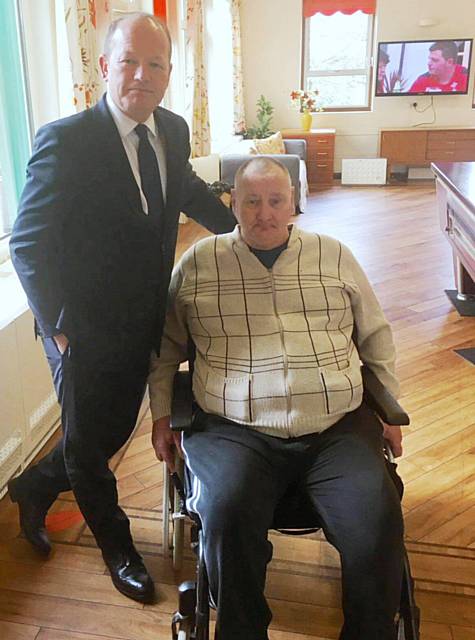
329	7
196	82
239	120
80	17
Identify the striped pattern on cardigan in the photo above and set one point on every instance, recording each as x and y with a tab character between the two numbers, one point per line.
276	349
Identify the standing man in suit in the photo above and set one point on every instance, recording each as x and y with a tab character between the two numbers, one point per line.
93	245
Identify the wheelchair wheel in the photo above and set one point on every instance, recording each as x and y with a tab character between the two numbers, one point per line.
409	614
173	530
202	594
166	512
178	534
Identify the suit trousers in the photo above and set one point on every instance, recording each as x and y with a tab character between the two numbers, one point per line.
100	392
238	476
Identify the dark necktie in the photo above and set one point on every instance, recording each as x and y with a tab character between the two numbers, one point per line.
149	174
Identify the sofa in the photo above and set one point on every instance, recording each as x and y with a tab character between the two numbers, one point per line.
293	158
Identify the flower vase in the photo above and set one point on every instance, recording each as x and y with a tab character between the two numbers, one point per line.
306	121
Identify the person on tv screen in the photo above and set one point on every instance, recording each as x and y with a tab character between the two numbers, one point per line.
444	74
382	83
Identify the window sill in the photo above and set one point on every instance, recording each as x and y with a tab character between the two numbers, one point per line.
14	302
4	249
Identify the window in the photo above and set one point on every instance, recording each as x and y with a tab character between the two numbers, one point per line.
219	62
337	59
219	69
14	121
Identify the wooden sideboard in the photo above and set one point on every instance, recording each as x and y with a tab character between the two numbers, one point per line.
420	147
320	153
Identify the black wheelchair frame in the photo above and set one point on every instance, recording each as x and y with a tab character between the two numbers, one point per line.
191	620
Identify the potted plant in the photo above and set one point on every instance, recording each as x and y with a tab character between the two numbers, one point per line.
264	116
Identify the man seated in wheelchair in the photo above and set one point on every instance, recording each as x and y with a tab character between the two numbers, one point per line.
281	319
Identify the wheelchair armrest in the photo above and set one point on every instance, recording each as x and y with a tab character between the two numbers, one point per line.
182	402
381	401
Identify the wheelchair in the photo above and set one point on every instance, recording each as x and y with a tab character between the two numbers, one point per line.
293	516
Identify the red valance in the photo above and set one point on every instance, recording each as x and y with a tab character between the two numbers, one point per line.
160	9
329	7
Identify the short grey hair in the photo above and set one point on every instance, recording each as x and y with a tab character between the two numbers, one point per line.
262	164
135	16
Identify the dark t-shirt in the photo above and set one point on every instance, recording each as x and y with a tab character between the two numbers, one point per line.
269	256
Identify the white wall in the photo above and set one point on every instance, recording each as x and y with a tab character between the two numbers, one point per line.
272	44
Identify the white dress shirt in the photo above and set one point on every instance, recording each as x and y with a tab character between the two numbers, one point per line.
130	140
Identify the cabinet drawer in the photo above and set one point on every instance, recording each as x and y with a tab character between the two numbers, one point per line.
459	152
321	142
447	155
465	146
450	137
465	155
320	172
320	152
323	178
441	143
321	155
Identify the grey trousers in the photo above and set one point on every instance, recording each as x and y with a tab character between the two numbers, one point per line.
238	476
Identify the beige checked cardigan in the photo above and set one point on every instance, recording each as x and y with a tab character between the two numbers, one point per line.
276	349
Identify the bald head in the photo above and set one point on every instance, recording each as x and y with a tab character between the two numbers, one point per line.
260	166
131	18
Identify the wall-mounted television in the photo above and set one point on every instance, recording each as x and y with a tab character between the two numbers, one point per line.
423	67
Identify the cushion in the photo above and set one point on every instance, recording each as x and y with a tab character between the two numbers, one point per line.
272	144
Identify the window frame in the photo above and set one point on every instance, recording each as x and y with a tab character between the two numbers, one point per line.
368	71
17	117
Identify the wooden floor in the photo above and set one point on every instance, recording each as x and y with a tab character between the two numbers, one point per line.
394	233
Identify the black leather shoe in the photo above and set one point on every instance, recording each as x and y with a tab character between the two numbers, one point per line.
130	576
32	517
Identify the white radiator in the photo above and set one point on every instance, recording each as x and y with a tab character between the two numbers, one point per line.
29	411
364	171
11	458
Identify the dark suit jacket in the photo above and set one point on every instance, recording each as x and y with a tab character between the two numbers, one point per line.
91	262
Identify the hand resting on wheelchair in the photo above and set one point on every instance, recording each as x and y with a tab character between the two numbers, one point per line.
281	320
